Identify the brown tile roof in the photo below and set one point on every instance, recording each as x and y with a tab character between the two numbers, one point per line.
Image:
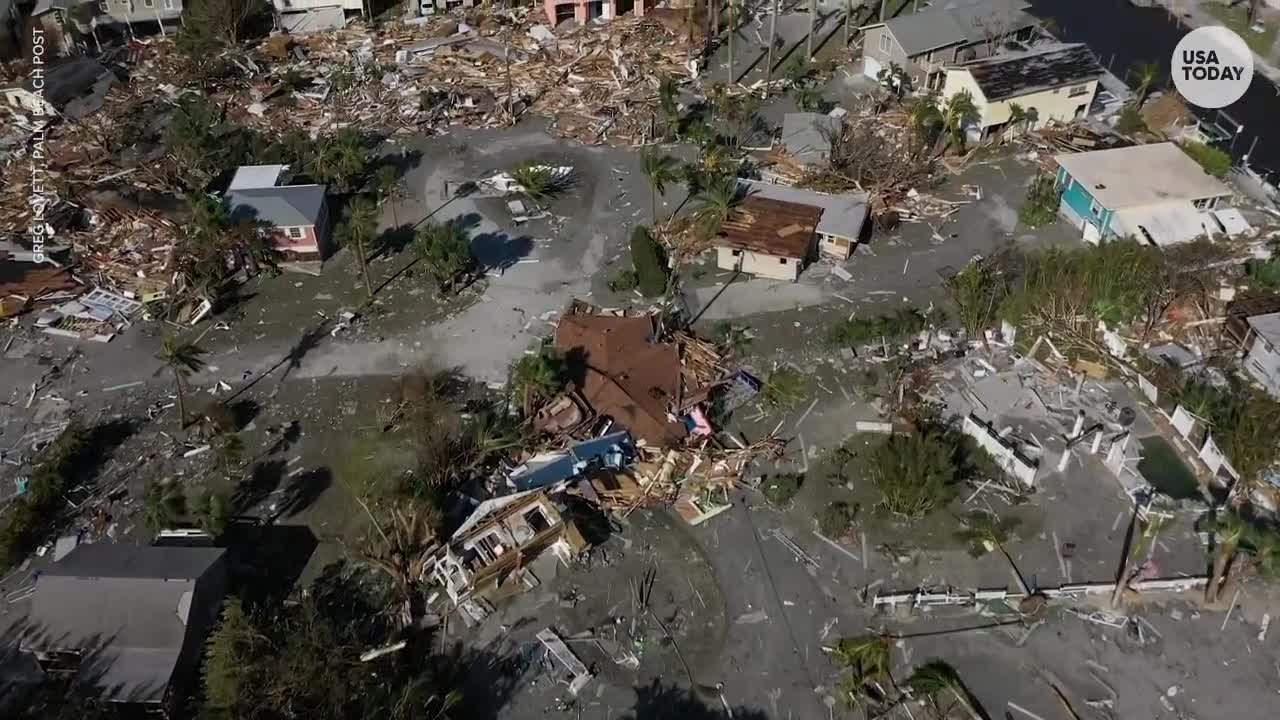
771	226
623	373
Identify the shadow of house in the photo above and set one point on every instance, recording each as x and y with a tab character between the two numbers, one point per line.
295	216
266	559
153	604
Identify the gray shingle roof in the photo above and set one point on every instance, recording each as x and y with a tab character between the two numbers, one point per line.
956	22
283	206
125	604
807	136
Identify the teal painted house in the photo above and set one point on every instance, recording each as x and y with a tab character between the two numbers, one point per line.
1153	193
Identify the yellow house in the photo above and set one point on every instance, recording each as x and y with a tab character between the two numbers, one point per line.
1051	85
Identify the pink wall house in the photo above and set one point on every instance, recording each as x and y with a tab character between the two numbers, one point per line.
298	215
584	10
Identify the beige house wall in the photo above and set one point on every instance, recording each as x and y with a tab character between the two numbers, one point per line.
758	263
1057	105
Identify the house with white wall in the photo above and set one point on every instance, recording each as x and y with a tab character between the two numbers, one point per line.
843	216
768	238
1052	85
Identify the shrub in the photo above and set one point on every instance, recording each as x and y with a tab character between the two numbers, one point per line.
33	516
1130	122
1214	161
780	489
624	281
858	330
650	262
916	474
1264	273
836	519
783	388
1041	205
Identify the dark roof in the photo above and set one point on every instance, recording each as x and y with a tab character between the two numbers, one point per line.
120	560
1016	75
127	605
957	22
771	226
626	375
70	79
281	206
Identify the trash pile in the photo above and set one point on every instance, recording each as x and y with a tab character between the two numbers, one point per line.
597	82
631	431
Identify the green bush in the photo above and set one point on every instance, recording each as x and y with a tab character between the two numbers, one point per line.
1264	273
33	516
780	489
1214	161
858	330
783	388
916	474
1041	206
1130	122
836	519
650	262
624	281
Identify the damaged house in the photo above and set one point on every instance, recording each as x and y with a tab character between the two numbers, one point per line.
1051	85
296	216
299	17
72	89
768	238
624	373
843	220
489	555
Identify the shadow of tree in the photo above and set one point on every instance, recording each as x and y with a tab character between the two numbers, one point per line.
263	480
659	701
302	491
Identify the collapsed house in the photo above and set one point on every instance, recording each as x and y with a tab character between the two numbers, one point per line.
489	555
624	372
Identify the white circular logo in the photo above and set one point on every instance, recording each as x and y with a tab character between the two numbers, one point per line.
1212	67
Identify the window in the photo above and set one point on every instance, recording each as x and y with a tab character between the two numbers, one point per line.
102	5
1078	91
168	4
884	42
295	233
537	520
1056	91
1095	209
149	3
782	261
735	253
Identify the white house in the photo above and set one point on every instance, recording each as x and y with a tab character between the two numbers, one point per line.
1053	85
305	16
1262	354
769	238
842	220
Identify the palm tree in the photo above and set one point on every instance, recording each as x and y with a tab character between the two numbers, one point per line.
773	40
924	116
537	378
1146	74
444	249
183	359
1017	117
402	552
867	660
342	160
957	114
716	200
936	677
163	504
1230	528
357	231
660	169
389	188
669	103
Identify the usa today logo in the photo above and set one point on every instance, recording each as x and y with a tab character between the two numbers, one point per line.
1212	67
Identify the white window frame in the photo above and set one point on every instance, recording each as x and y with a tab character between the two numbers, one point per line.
886	42
148	3
168	5
1095	209
296	233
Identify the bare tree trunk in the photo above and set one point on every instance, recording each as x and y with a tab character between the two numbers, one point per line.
813	19
773	37
733	28
364	267
883	7
182	400
1219	575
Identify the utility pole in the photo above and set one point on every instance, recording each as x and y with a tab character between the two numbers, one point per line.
773	36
